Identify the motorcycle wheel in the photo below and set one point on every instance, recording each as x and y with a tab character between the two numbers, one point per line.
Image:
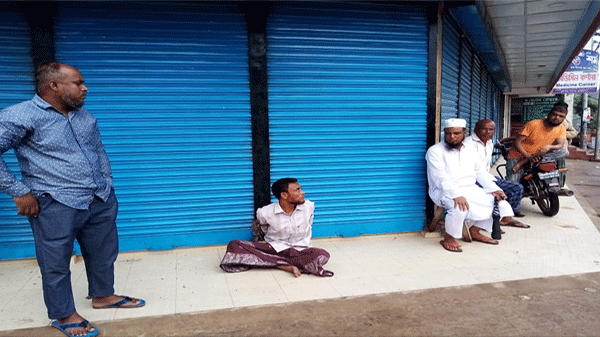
549	205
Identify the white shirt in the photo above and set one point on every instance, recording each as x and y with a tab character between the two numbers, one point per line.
285	231
449	170
483	150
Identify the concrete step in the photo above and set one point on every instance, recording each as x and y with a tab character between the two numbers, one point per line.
579	154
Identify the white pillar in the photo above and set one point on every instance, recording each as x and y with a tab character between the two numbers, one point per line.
569	100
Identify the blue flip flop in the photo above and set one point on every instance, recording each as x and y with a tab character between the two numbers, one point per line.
119	304
84	324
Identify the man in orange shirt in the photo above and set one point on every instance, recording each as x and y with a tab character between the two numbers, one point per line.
540	138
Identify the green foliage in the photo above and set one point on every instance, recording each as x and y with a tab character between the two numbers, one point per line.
592	104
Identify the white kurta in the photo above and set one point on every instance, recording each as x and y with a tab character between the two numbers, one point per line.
484	151
452	173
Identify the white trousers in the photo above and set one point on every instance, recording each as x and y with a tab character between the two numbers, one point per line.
481	205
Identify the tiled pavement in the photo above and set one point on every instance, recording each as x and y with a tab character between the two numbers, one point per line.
190	280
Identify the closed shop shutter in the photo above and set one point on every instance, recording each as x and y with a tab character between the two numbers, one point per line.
347	109
450	71
465	82
16	79
169	88
477	109
468	89
486	97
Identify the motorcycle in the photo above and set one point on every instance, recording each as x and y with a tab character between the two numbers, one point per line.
540	180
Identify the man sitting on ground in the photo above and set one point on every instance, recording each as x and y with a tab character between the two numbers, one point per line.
539	138
287	225
453	170
483	143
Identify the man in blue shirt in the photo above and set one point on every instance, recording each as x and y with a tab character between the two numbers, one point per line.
66	192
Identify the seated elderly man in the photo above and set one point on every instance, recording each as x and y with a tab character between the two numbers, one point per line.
453	169
483	143
287	225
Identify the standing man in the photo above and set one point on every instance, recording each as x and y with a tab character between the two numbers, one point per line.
66	192
483	143
539	138
570	134
453	170
287	225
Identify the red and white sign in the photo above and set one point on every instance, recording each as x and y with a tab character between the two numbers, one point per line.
581	76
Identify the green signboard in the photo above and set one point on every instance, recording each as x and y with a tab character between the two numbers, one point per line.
537	107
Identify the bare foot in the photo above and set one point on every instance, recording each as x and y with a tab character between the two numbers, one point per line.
291	269
437	220
98	302
76	318
519	164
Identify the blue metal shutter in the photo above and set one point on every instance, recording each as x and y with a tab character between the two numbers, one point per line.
450	71
490	109
476	99
496	99
465	82
168	85
347	109
478	95
491	92
486	96
16	79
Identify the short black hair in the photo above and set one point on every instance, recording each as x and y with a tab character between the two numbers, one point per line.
281	185
45	73
481	122
560	105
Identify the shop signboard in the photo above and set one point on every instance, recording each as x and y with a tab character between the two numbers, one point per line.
537	107
581	76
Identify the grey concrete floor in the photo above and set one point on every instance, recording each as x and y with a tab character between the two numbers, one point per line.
561	305
554	306
583	177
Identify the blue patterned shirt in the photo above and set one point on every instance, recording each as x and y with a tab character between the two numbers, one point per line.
59	155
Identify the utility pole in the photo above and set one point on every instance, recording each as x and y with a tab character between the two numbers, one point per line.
597	145
584	122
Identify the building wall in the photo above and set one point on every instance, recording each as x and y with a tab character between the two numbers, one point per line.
202	106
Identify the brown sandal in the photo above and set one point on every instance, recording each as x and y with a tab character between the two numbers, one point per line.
515	223
484	239
451	246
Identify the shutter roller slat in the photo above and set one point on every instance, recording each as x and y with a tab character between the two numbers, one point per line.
169	88
347	110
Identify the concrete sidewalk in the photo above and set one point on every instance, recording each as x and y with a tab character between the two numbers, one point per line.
190	280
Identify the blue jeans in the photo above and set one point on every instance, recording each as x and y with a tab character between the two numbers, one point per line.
54	232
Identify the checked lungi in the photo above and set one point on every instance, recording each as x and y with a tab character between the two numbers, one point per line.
513	191
244	255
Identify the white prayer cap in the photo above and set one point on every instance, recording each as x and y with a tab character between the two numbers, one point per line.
455	123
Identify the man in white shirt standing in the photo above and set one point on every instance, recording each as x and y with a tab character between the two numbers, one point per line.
453	170
482	141
287	225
